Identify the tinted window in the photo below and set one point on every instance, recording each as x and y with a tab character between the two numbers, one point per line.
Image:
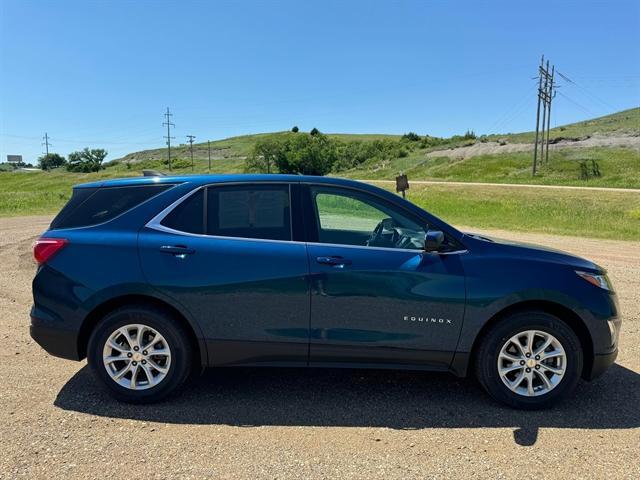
261	211
348	217
187	216
90	206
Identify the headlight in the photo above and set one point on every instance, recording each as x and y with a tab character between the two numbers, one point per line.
598	279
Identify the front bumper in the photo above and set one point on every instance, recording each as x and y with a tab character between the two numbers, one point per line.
57	342
600	364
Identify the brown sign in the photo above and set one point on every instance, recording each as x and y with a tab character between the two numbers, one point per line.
402	183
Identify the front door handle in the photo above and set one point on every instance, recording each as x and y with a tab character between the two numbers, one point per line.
177	250
336	261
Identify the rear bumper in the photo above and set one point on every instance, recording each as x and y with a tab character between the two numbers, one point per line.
57	342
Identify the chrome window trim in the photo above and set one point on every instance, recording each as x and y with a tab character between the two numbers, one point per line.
155	224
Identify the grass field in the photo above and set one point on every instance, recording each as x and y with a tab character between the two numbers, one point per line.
613	215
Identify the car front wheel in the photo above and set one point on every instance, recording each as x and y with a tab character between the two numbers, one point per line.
140	353
529	360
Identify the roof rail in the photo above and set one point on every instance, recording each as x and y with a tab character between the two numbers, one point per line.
152	173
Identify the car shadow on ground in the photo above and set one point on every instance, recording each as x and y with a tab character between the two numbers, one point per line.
362	398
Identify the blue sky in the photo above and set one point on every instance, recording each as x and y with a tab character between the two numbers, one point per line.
101	74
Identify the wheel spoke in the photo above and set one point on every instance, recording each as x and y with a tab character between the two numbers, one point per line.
157	367
159	352
556	370
545	380
511	358
125	333
511	368
516	383
530	391
121	373
551	354
544	346
119	358
134	375
530	338
149	374
116	346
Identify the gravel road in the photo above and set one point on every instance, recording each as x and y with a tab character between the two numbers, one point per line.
293	423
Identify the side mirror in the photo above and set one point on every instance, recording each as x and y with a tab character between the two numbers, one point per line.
433	239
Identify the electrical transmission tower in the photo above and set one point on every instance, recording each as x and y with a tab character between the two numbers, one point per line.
46	143
168	136
546	93
191	137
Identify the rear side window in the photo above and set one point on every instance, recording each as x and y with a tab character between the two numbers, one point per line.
90	206
188	215
256	211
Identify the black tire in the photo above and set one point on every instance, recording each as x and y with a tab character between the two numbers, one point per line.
172	331
486	359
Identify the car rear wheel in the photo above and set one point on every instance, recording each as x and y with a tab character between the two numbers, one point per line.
529	360
140	353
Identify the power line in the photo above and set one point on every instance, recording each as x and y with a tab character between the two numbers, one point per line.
168	136
191	137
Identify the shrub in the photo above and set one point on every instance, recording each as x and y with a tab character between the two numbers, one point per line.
295	129
411	136
51	160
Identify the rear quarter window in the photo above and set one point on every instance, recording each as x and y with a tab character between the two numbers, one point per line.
91	206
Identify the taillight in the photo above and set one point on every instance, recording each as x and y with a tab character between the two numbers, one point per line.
45	248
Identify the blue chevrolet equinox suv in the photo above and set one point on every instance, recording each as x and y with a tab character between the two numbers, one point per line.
151	278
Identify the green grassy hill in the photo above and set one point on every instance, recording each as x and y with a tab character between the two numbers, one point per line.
237	148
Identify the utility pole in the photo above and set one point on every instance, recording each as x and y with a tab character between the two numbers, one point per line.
545	95
535	145
191	137
46	143
209	150
544	108
168	136
552	94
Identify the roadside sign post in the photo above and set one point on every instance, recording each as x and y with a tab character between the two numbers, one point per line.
402	184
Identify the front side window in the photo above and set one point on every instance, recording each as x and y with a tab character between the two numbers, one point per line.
347	217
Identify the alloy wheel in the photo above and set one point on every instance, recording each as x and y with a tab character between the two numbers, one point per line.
136	357
532	363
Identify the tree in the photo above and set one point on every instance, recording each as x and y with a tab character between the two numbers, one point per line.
295	129
51	160
88	160
314	131
302	153
264	154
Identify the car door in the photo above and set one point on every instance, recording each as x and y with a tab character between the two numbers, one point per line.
226	254
376	297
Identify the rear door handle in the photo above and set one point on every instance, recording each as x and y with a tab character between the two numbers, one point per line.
177	250
336	261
